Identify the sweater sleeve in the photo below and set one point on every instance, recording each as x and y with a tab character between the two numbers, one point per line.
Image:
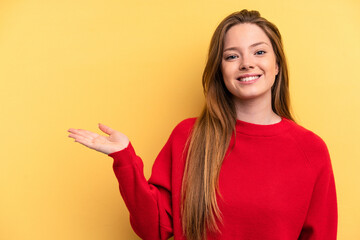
322	217
149	204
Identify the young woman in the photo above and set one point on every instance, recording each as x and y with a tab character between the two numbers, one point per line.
243	169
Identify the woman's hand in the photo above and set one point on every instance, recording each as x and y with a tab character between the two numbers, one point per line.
116	141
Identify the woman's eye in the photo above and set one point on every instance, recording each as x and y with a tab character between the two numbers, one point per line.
261	52
230	57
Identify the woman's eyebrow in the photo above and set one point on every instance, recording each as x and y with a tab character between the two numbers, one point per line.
258	43
251	46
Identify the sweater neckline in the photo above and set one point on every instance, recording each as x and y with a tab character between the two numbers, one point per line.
262	130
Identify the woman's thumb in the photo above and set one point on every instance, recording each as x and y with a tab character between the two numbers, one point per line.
105	129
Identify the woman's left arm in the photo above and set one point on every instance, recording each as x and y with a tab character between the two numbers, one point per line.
322	216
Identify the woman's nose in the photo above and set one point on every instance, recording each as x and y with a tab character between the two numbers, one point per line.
246	63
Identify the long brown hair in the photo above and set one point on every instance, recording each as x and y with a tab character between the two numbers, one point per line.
214	127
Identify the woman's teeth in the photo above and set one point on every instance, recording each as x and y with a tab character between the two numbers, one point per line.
246	79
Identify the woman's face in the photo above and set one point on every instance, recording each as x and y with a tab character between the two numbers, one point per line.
249	63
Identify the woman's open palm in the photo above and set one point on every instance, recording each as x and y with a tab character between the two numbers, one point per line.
116	141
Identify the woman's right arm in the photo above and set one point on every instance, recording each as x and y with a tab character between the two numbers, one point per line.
149	205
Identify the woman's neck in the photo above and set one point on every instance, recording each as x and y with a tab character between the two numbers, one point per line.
256	111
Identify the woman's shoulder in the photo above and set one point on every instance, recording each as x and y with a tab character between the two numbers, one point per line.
313	146
186	123
303	134
184	127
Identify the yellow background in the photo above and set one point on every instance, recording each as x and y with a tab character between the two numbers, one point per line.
136	66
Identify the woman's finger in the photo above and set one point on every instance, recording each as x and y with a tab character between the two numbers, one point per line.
71	135
89	133
84	142
83	133
106	129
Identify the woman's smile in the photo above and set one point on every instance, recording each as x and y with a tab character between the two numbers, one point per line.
248	78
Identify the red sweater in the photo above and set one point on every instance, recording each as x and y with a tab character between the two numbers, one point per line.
277	183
